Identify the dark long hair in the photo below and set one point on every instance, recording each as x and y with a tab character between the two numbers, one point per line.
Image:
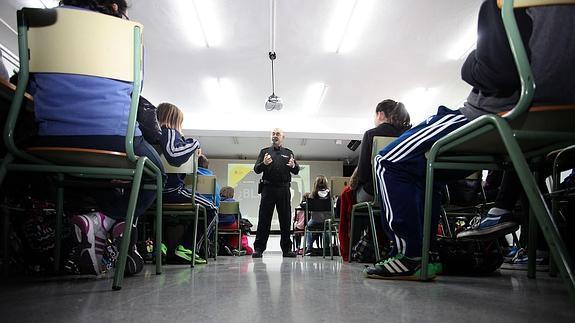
395	113
101	6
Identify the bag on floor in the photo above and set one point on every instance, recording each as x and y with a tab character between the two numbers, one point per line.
469	257
363	250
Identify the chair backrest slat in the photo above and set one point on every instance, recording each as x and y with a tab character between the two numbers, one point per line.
319	204
70	41
206	184
229	208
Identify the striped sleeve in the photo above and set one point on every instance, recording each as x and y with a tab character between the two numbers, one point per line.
176	149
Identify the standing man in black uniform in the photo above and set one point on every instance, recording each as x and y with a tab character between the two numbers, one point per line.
277	163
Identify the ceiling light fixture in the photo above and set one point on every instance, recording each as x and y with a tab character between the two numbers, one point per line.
314	97
49	4
273	102
419	101
199	22
464	45
347	23
221	92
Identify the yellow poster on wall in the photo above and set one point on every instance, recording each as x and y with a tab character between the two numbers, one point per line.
236	172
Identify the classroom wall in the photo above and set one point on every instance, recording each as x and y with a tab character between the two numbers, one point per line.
239	174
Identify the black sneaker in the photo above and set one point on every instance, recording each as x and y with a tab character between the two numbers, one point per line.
489	226
399	267
257	254
289	254
134	261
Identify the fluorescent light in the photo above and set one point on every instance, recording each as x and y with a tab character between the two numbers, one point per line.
464	45
49	3
221	93
314	97
348	21
419	102
199	21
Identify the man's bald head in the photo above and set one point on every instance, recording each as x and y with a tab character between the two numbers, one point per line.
277	137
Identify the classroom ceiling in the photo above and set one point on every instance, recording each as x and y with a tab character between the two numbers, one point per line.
409	50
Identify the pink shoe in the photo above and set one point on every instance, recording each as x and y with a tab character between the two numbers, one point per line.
84	229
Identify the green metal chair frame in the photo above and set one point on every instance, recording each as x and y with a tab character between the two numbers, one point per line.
508	141
85	164
191	210
230	208
370	209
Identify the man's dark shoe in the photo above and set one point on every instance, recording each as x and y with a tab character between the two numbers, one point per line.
289	254
257	254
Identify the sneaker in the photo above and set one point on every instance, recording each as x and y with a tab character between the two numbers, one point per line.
399	267
257	254
134	261
164	249
91	244
187	254
289	254
490	226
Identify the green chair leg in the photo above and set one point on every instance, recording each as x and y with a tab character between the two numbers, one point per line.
158	243
351	231
532	246
121	264
193	262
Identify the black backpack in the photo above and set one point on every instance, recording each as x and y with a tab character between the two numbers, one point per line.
469	257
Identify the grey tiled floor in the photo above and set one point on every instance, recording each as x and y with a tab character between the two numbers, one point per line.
273	289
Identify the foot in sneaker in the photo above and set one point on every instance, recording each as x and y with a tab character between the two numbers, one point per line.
187	254
289	254
257	254
497	222
134	261
91	234
399	267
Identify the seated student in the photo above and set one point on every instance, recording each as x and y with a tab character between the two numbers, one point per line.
203	164
92	112
347	199
491	71
320	190
229	221
391	120
177	150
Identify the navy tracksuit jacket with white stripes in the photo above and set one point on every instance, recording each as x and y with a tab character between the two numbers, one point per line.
400	171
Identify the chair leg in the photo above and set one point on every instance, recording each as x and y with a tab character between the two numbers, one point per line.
121	264
206	242
374	234
427	220
196	218
532	246
352	229
158	243
59	218
4	166
542	214
6	232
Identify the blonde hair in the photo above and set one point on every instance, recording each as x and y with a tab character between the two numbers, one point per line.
320	183
227	191
170	116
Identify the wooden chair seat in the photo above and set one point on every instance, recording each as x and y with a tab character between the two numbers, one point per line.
82	157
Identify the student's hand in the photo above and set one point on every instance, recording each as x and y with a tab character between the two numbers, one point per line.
291	162
267	159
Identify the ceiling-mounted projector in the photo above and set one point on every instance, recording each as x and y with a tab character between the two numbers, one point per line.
274	102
